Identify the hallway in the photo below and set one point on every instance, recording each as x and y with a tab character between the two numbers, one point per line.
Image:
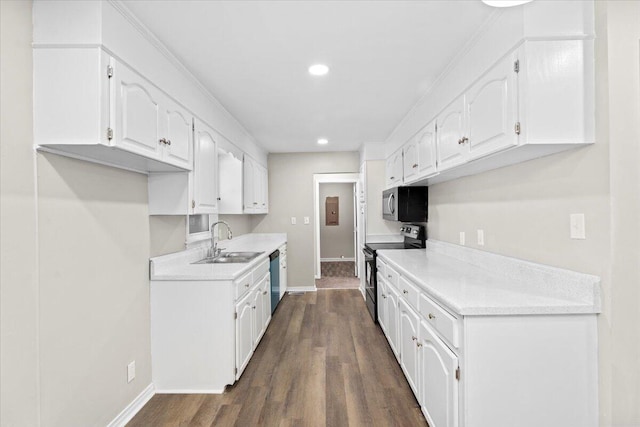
322	362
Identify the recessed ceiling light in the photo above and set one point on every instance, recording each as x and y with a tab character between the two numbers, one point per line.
318	70
505	3
323	141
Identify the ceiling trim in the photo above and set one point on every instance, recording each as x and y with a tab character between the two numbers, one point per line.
151	38
473	40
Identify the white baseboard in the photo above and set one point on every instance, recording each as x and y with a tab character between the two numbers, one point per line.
337	259
189	391
302	288
133	408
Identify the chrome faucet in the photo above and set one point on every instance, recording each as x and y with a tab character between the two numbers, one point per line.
214	244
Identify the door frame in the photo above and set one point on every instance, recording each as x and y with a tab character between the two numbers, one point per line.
329	178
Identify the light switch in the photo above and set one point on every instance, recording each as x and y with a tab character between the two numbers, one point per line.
480	237
306	220
577	226
293	220
462	238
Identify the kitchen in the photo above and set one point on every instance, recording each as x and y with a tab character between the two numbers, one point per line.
75	296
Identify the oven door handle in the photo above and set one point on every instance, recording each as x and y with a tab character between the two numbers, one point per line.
368	255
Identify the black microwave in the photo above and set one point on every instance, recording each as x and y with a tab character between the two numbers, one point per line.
405	204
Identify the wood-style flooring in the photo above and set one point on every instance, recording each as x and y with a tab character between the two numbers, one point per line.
321	362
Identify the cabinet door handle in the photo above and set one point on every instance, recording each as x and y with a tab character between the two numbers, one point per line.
163	141
414	338
254	307
431	316
246	285
389	276
392	178
168	142
415	165
264	293
404	291
419	344
463	140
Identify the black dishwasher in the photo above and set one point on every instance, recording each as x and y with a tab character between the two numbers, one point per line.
274	270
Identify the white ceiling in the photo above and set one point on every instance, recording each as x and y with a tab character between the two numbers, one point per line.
253	57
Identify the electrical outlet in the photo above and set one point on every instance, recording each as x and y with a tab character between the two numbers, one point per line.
577	226
462	238
306	220
480	237
131	371
293	220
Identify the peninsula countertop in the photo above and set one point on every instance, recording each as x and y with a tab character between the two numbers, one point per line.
179	265
473	282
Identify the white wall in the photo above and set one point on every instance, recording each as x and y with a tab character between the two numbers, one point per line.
19	392
291	194
94	290
336	241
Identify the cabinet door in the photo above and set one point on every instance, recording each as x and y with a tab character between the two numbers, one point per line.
265	190
382	303
177	131
410	160
492	111
438	383
394	169
266	301
230	183
283	276
452	150
137	114
249	185
392	320
244	332
205	194
408	342
258	307
426	142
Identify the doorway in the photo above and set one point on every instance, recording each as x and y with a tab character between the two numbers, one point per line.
336	231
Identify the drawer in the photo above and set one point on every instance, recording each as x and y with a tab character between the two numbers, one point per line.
409	291
242	285
391	276
443	322
260	270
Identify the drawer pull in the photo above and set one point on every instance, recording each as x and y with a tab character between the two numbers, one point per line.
431	316
404	291
414	338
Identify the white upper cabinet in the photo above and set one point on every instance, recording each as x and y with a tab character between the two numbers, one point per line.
204	198
147	122
190	193
452	146
492	110
394	169
255	187
230	183
411	160
419	155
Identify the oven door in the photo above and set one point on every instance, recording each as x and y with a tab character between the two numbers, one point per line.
370	283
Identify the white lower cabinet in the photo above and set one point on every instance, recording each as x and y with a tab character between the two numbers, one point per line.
408	340
204	333
438	385
489	370
244	332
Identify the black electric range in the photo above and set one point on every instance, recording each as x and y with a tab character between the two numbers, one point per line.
414	238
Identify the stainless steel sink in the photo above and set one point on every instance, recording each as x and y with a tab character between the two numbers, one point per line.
230	258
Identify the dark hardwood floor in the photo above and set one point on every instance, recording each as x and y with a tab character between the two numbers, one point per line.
322	362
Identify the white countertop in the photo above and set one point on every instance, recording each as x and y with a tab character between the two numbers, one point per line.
472	282
179	265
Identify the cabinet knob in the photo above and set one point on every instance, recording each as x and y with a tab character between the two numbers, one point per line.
404	291
264	293
419	344
389	276
415	165
193	203
414	338
463	140
246	285
165	141
392	177
254	307
168	142
431	316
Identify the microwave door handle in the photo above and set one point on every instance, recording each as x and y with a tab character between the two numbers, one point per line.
390	203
